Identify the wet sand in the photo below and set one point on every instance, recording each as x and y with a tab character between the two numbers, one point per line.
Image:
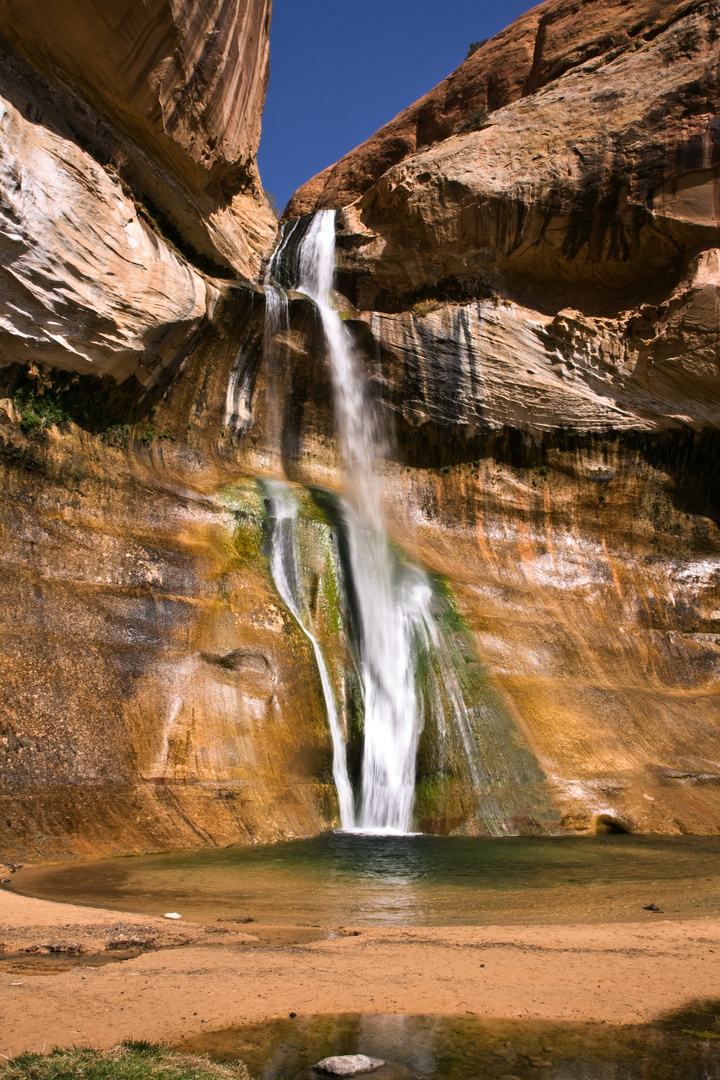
616	973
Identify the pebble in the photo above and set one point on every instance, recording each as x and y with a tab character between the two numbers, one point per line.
172	915
349	1065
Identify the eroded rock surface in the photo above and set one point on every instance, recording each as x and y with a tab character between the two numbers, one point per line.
593	192
86	283
127	179
534	295
182	87
538	48
553	262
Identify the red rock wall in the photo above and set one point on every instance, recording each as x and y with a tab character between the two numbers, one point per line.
540	46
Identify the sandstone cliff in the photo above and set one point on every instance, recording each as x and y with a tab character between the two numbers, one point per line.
530	259
534	294
550	40
128	176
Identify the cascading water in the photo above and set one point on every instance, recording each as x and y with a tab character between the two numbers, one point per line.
392	603
397	635
285	567
277	324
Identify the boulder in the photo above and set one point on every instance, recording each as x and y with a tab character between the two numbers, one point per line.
349	1065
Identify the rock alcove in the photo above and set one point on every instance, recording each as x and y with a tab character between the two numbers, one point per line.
534	300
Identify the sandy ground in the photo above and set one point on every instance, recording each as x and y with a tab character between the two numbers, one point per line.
619	973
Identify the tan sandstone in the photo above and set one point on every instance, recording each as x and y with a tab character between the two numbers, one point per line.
536	304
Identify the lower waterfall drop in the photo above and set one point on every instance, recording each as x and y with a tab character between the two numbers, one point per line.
286	572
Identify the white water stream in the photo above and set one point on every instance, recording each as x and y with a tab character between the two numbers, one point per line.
394	598
285	566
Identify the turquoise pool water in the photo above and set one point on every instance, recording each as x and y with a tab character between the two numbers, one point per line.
338	879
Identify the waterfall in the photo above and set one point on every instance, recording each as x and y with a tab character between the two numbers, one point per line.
286	572
397	636
277	321
393	600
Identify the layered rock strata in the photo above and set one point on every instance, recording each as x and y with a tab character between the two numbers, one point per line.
128	179
156	694
534	296
181	86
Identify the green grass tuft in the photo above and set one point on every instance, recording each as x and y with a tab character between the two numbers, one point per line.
142	1047
133	1060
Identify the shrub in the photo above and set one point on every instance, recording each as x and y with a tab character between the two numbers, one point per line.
44	397
474	46
272	203
117	435
38	409
31	421
151	434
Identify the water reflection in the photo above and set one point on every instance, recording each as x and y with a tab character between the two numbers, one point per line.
385	871
685	1044
340	878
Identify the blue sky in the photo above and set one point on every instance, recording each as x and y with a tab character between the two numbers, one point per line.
339	71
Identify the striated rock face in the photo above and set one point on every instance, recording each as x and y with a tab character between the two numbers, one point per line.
529	257
155	691
182	87
86	284
582	221
539	47
585	560
127	176
594	192
462	368
534	294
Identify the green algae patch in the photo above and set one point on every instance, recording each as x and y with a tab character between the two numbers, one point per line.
47	397
130	1061
245	505
478	772
324	602
443	804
